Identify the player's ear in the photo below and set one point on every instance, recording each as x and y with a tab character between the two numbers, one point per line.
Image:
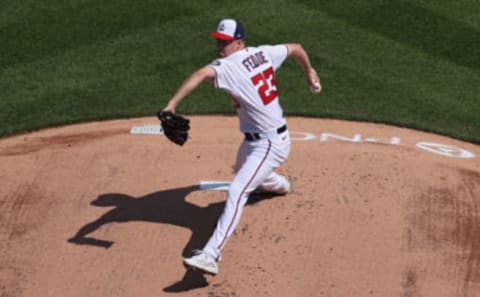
240	43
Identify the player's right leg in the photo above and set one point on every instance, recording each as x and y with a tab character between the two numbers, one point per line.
275	183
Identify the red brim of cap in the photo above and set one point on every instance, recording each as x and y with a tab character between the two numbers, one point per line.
221	36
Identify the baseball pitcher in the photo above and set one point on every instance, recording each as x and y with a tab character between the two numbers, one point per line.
247	75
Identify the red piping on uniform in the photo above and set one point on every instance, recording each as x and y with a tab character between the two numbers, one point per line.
240	196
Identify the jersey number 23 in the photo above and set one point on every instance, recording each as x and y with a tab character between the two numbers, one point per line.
267	85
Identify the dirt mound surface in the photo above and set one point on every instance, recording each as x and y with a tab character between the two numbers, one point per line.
110	208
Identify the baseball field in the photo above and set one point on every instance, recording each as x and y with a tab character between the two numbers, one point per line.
407	63
385	161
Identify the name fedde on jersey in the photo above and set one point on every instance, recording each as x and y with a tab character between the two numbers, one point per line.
253	61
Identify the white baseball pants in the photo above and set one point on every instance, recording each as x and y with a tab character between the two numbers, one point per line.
254	167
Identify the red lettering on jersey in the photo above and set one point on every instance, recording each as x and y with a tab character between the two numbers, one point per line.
255	60
267	85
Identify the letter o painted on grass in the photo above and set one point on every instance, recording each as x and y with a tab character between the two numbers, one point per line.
445	150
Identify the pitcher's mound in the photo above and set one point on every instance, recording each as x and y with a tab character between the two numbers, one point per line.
94	210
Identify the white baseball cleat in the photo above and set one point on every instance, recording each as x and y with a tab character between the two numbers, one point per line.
262	191
202	261
289	188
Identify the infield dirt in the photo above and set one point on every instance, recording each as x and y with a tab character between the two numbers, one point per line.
92	210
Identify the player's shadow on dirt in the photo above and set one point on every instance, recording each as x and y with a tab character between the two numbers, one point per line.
166	207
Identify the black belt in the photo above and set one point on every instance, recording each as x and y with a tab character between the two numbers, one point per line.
256	136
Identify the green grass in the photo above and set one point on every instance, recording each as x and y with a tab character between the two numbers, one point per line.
408	63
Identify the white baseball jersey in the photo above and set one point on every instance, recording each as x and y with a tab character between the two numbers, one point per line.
248	76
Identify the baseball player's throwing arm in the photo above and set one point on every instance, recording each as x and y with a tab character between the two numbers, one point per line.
191	83
297	53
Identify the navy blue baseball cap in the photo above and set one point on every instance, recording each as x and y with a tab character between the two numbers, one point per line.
229	29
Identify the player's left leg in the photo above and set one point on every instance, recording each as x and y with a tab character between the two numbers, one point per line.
259	164
260	158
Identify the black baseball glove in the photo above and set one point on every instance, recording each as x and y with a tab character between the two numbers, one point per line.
174	126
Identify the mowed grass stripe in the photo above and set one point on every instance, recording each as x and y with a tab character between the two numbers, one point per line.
389	62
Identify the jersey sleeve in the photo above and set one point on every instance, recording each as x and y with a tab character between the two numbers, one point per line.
219	79
277	53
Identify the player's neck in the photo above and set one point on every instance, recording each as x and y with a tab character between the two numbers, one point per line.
234	47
